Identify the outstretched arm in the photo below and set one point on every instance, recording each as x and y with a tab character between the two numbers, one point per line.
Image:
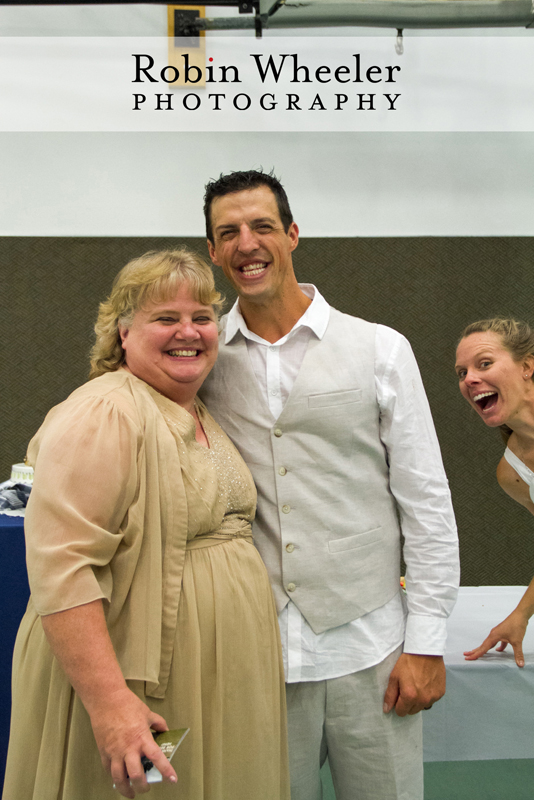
415	683
121	722
510	631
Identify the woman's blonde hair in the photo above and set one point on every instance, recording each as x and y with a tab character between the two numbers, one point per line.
516	336
151	278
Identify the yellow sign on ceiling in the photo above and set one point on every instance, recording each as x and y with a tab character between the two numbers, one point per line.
187	54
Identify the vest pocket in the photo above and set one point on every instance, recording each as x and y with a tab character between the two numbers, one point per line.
356	540
334	398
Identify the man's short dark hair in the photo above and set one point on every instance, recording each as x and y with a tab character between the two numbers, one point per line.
242	181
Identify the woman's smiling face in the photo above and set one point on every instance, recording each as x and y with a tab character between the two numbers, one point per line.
172	345
490	379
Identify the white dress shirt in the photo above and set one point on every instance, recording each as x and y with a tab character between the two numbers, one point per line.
407	432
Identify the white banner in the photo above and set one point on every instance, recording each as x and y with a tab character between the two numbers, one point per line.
313	84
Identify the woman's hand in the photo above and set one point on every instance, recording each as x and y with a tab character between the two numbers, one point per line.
121	722
121	725
510	631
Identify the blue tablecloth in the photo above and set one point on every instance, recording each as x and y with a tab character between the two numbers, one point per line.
14	594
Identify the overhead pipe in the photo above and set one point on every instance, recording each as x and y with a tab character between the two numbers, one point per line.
398	14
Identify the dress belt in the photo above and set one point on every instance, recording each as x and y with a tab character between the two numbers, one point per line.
212	539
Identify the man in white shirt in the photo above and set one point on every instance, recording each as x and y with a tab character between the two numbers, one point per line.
330	414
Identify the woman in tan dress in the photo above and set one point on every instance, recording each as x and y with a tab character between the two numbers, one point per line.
150	606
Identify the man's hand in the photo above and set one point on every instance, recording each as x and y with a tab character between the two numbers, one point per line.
510	631
416	682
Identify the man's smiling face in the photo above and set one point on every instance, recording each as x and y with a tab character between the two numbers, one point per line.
251	245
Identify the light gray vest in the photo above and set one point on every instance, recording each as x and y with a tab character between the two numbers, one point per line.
326	524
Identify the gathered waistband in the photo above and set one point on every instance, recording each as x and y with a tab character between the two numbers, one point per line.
212	539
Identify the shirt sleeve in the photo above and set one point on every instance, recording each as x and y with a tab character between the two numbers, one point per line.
85	459
421	490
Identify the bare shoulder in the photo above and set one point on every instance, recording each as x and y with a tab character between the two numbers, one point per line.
513	485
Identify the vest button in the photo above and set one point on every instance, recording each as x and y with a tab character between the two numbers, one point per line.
291	587
290	547
282	471
277	432
286	509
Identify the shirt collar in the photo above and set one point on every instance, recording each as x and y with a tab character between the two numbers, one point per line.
315	318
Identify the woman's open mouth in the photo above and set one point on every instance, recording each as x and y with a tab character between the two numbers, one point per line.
486	400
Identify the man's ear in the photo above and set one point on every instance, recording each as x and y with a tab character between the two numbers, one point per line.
211	251
293	233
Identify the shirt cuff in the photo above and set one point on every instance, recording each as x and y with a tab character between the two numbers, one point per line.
425	636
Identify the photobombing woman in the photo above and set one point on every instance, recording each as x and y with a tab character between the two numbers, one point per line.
150	606
495	368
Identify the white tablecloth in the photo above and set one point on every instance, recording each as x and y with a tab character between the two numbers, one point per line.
488	710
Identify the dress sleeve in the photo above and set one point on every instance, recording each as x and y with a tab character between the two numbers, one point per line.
85	460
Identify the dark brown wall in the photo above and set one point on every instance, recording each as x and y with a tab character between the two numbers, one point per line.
427	288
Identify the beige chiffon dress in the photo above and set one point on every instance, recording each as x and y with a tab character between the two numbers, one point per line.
225	679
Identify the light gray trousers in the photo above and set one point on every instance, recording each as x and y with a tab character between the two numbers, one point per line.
372	755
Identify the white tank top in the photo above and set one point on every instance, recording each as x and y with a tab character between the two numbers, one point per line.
522	470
